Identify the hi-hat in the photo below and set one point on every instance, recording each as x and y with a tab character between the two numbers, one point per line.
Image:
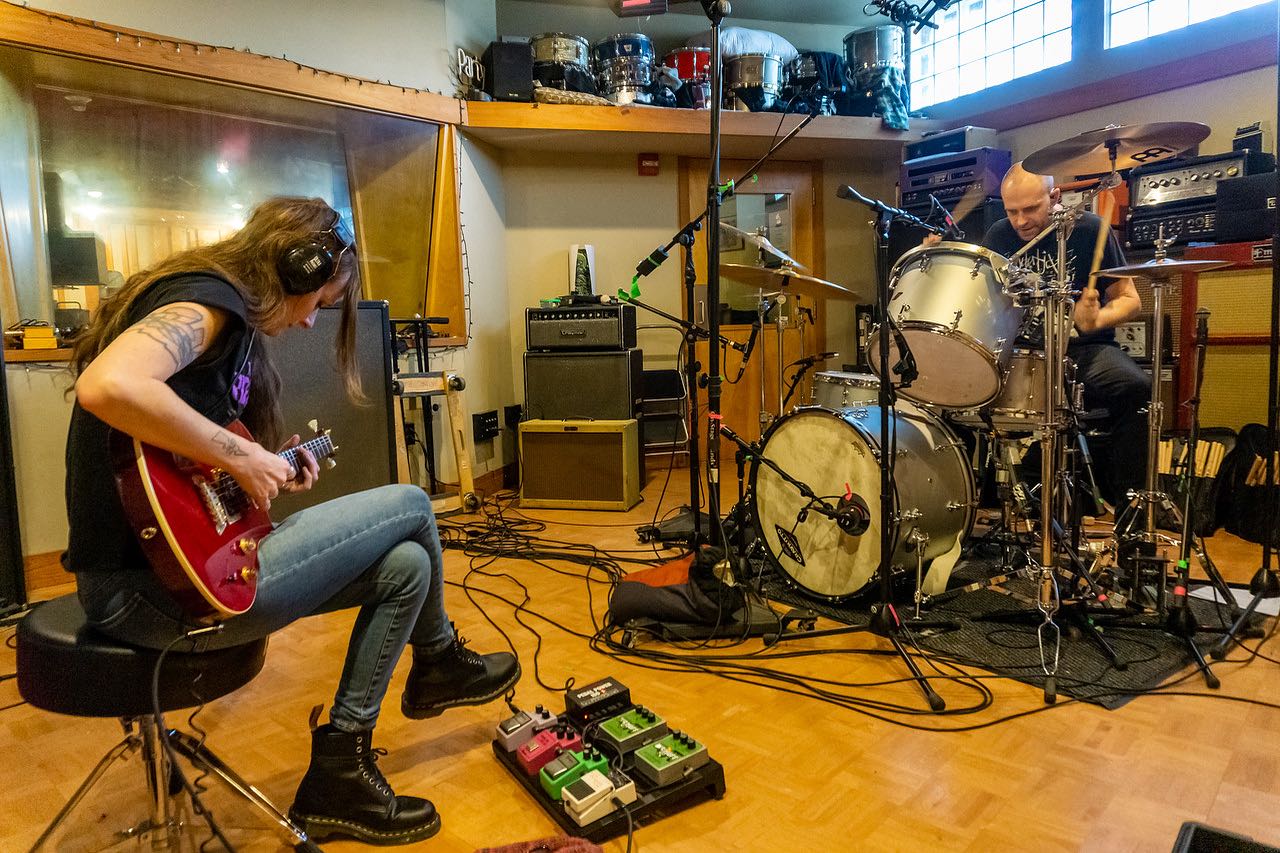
783	278
1162	268
1133	145
762	242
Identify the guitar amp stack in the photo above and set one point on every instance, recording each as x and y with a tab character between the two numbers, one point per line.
582	365
1182	196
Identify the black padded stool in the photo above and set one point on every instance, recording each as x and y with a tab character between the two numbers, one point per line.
66	667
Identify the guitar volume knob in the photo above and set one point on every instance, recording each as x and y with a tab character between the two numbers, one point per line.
247	545
247	574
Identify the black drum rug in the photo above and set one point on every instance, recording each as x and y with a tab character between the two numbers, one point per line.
997	631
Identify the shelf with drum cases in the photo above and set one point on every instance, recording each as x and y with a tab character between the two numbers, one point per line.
639	128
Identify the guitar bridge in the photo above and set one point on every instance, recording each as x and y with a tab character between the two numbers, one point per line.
213	504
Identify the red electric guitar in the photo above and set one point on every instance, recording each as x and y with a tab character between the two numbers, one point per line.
198	529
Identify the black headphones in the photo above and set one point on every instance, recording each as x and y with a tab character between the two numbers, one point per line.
305	266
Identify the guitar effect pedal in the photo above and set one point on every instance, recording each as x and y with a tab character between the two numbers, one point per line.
522	726
629	731
569	767
669	759
543	748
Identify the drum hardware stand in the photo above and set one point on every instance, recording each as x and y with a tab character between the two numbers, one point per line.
885	620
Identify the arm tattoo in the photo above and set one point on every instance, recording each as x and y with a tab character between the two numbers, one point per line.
227	444
179	329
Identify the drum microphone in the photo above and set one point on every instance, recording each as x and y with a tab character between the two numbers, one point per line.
853	516
953	230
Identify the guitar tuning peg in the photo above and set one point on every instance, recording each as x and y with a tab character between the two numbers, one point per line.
330	463
314	426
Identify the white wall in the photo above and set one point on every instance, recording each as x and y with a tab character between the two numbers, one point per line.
1223	104
39	414
403	41
555	200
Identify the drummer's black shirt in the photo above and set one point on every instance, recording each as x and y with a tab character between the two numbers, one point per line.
1043	259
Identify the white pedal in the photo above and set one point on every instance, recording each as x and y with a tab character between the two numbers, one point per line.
592	797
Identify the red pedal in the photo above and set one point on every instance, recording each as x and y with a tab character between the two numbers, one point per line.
535	754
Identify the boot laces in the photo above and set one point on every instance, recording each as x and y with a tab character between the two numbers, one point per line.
466	655
371	773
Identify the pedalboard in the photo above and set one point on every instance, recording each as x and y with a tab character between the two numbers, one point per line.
605	763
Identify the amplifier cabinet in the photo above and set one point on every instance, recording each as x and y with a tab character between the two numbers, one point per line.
579	464
596	385
590	327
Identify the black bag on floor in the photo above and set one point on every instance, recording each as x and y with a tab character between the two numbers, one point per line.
1242	508
683	592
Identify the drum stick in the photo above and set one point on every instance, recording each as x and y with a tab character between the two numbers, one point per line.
967	204
1104	231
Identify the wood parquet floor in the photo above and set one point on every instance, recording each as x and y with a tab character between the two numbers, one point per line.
801	775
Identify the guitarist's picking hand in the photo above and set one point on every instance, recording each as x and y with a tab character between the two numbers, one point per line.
308	470
262	474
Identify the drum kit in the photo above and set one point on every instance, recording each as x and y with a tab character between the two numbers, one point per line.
955	313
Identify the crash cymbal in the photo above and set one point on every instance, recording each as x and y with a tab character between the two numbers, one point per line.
784	278
762	242
1162	268
1133	144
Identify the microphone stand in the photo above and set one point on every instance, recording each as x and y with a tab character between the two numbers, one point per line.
716	11
885	620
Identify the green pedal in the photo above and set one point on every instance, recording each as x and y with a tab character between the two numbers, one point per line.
670	759
569	767
632	730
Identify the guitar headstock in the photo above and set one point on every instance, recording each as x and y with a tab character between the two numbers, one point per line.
329	462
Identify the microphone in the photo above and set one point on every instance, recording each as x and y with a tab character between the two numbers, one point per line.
853	516
814	359
953	230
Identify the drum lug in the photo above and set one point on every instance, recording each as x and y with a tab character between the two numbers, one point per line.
908	515
944	447
955	506
977	267
903	311
955	323
926	261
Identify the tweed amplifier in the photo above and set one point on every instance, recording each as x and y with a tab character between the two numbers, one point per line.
581	327
579	464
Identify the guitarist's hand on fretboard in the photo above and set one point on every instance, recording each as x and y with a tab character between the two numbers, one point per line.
261	474
306	466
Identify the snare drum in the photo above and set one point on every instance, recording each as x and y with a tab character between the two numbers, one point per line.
692	64
835	389
870	50
831	452
624	80
950	303
621	45
561	47
752	81
1020	405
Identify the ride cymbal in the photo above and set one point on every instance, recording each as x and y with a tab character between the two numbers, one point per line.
762	242
783	278
1090	153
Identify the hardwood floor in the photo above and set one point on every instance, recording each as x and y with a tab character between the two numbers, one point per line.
801	775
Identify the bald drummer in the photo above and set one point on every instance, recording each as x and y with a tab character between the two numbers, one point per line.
1111	378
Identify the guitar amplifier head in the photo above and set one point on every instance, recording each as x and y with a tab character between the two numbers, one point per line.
579	464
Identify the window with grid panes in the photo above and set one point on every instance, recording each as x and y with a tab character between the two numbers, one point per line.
1134	20
983	43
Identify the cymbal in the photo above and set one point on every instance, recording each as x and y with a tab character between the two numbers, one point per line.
762	242
1162	268
1134	144
784	278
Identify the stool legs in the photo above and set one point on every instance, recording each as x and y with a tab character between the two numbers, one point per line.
120	752
164	826
202	757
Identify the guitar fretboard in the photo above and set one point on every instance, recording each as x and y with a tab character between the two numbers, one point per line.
234	498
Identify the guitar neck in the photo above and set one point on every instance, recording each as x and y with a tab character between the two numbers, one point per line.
321	448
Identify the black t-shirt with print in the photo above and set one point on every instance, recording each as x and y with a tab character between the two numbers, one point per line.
1043	259
216	384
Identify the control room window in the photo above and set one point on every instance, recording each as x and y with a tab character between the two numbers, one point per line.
983	43
1134	20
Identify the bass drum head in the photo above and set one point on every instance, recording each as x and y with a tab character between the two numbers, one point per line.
832	452
824	451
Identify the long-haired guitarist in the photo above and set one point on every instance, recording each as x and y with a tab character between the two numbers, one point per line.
172	360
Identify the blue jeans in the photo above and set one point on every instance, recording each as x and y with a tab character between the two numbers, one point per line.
378	550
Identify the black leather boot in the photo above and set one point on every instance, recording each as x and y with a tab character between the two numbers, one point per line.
344	793
457	676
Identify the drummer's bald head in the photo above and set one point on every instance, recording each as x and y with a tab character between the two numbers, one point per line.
1028	199
1018	179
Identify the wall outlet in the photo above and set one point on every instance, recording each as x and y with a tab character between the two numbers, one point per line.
484	425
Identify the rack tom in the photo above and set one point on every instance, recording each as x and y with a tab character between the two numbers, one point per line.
950	303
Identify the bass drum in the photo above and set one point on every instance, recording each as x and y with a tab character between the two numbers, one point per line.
834	451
